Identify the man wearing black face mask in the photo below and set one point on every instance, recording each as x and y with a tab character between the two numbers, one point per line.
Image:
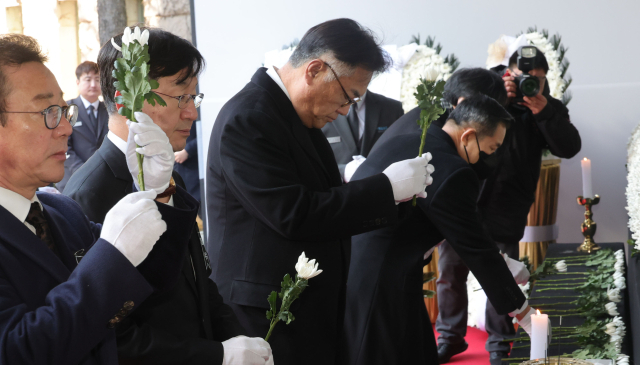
540	122
385	319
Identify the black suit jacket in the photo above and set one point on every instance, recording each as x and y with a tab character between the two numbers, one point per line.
85	139
386	321
184	325
274	191
380	113
189	170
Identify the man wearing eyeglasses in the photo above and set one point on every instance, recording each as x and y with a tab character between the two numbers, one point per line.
66	282
188	324
274	189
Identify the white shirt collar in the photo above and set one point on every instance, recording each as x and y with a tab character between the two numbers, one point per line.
119	142
360	104
86	103
17	204
271	71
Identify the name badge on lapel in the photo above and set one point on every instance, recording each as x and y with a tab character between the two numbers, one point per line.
333	139
78	124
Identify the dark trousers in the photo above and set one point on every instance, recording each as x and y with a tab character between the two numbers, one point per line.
452	301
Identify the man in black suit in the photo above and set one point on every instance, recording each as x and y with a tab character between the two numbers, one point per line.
504	203
93	120
188	324
386	320
274	189
357	132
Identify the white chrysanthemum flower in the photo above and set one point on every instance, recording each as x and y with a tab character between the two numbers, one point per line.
425	63
525	289
622	359
613	294
610	328
561	266
611	309
307	269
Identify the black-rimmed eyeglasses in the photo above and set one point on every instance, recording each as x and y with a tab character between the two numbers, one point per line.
53	115
349	100
183	100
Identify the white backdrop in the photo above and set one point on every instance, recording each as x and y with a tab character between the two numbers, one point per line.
602	37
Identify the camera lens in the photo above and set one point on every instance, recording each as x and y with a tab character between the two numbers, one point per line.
530	86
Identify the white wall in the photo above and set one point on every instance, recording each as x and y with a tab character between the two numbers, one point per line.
602	37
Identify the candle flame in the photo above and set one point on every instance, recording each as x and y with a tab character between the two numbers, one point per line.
538	310
585	159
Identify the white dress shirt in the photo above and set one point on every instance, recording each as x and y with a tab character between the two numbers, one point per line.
271	71
18	205
87	104
122	146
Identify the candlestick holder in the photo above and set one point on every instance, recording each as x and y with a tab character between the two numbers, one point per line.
588	226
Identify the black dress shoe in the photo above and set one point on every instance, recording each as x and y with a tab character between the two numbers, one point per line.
446	351
496	357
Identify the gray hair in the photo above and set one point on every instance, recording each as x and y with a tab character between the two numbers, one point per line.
341	68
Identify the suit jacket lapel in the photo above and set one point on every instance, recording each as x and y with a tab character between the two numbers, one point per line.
300	132
16	235
116	161
342	126
372	118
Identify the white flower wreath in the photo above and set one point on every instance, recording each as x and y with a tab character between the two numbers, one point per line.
633	184
425	63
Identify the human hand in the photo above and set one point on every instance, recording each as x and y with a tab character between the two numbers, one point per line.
157	152
242	350
181	156
410	177
134	225
352	166
535	103
510	84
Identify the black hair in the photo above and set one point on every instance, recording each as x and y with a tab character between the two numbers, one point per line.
540	60
15	49
169	55
86	67
468	82
481	112
347	40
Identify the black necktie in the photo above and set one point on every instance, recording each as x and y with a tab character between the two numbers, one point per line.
354	124
37	220
93	119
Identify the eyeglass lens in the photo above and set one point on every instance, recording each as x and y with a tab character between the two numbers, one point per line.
185	99
53	114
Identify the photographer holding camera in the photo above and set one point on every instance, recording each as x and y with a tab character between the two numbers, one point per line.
541	122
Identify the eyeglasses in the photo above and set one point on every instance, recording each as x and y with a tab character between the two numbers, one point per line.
53	115
183	100
349	100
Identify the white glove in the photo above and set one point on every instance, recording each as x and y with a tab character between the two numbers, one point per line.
134	225
352	166
410	177
157	151
242	350
525	322
518	270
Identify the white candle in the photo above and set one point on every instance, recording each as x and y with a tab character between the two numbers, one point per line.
587	190
539	335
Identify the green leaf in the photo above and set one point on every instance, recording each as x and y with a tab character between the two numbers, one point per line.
272	298
283	315
290	317
428	293
154	84
428	276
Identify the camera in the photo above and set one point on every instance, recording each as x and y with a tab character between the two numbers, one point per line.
526	85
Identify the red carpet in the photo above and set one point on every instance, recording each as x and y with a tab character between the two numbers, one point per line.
475	354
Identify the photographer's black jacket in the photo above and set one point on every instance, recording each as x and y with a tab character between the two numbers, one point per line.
508	194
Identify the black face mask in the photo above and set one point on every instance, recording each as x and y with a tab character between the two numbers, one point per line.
481	155
486	163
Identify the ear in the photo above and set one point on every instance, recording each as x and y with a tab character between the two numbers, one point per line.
466	135
312	70
460	100
78	82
